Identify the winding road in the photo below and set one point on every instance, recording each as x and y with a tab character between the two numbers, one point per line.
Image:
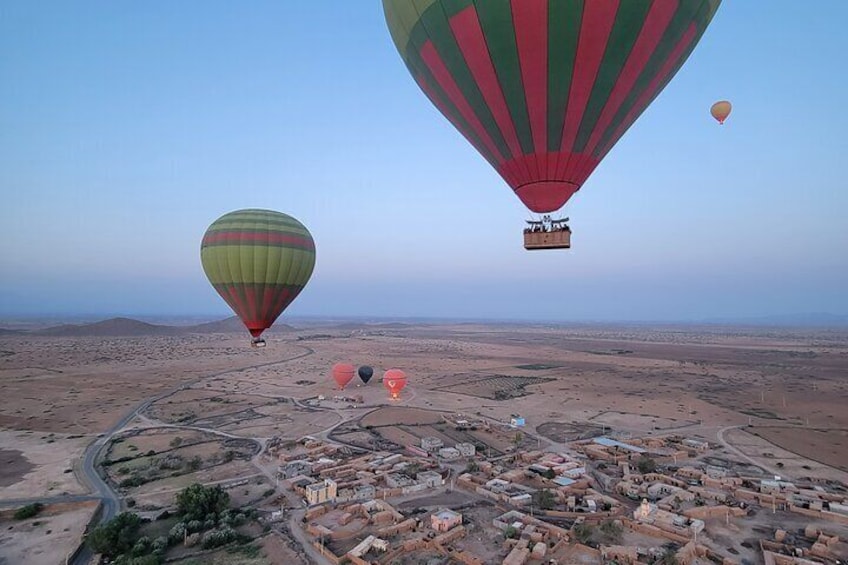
738	452
97	485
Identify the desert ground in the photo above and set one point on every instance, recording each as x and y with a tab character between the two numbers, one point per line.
774	397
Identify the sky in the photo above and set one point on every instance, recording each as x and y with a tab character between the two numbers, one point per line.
127	128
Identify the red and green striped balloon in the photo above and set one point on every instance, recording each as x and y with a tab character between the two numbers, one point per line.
258	261
543	89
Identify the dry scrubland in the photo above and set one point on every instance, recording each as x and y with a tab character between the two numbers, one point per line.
790	384
786	388
46	538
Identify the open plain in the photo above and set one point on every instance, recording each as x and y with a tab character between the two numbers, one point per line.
201	405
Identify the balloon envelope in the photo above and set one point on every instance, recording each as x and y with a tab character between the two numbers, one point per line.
258	261
543	89
343	373
720	110
365	373
394	380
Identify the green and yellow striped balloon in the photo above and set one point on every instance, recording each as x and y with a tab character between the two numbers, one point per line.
258	261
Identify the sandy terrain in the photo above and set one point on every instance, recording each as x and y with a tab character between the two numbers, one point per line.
771	455
278	553
13	466
393	416
39	464
825	446
46	538
563	380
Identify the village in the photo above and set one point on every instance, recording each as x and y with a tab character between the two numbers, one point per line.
658	499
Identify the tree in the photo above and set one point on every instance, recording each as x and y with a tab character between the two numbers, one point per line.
667	558
176	442
544	499
510	532
549	474
472	467
196	502
611	532
583	532
646	465
217	538
116	536
411	470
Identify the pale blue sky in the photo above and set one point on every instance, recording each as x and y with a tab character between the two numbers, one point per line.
126	128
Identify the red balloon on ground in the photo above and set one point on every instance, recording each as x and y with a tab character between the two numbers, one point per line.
343	373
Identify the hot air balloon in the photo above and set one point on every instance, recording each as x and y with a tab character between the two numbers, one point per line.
720	110
365	373
543	89
343	373
394	380
258	261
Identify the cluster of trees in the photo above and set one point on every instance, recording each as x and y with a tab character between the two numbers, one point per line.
168	464
608	533
204	514
646	465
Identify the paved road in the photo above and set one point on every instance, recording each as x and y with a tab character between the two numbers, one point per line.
91	478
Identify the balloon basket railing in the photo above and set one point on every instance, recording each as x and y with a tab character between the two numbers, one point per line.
257	342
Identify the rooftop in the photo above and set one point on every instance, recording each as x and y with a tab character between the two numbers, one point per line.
445	514
607	442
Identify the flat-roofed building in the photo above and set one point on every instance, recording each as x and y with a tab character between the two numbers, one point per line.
431	444
324	491
466	449
443	520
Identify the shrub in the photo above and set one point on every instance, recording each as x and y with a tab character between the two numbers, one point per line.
134	481
177	532
217	538
160	545
646	465
141	547
28	511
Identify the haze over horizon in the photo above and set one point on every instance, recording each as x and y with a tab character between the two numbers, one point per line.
125	130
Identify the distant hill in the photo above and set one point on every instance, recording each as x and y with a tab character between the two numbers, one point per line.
4	331
127	327
114	327
807	319
230	325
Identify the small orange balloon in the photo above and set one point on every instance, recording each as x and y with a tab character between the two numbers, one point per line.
720	110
